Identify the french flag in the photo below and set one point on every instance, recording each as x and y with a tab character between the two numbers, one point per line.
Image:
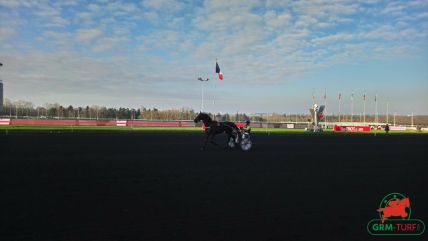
217	70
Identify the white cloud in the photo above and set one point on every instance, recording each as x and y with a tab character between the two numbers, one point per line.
333	38
59	40
19	3
395	8
66	3
277	21
51	15
165	41
94	8
6	32
121	6
381	32
306	21
107	44
323	9
164	5
75	78
226	17
87	35
274	4
151	16
399	8
423	15
85	17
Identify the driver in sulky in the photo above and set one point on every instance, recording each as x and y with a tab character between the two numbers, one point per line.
247	127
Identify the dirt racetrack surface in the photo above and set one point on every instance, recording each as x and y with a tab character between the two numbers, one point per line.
162	187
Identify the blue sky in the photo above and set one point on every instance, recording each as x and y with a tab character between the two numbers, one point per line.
275	55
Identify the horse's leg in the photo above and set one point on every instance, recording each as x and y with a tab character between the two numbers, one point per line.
207	136
212	140
229	136
238	136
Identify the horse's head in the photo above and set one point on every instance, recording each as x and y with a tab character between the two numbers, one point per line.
405	202
198	118
203	117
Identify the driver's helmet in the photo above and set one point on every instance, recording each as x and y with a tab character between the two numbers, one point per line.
247	122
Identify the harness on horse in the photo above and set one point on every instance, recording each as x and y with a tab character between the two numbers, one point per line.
234	131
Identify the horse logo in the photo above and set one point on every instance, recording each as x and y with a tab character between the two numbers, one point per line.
394	207
394	217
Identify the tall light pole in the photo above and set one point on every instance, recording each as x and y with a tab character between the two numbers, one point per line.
376	114
387	112
313	97
340	98
364	109
202	96
1	93
394	117
325	108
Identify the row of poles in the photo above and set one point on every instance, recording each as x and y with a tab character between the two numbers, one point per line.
352	108
205	80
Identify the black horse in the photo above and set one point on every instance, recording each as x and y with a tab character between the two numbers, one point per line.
212	128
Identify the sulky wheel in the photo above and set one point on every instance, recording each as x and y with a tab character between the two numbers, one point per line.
246	144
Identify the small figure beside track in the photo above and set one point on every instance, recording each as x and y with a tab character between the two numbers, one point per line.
387	128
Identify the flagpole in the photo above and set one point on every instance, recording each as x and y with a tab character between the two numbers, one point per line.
340	95
202	99
313	98
394	117
364	113
352	107
387	112
325	108
376	115
202	90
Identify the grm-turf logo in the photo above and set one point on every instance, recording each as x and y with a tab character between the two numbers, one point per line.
394	217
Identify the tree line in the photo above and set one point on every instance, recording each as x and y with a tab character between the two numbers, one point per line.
26	109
